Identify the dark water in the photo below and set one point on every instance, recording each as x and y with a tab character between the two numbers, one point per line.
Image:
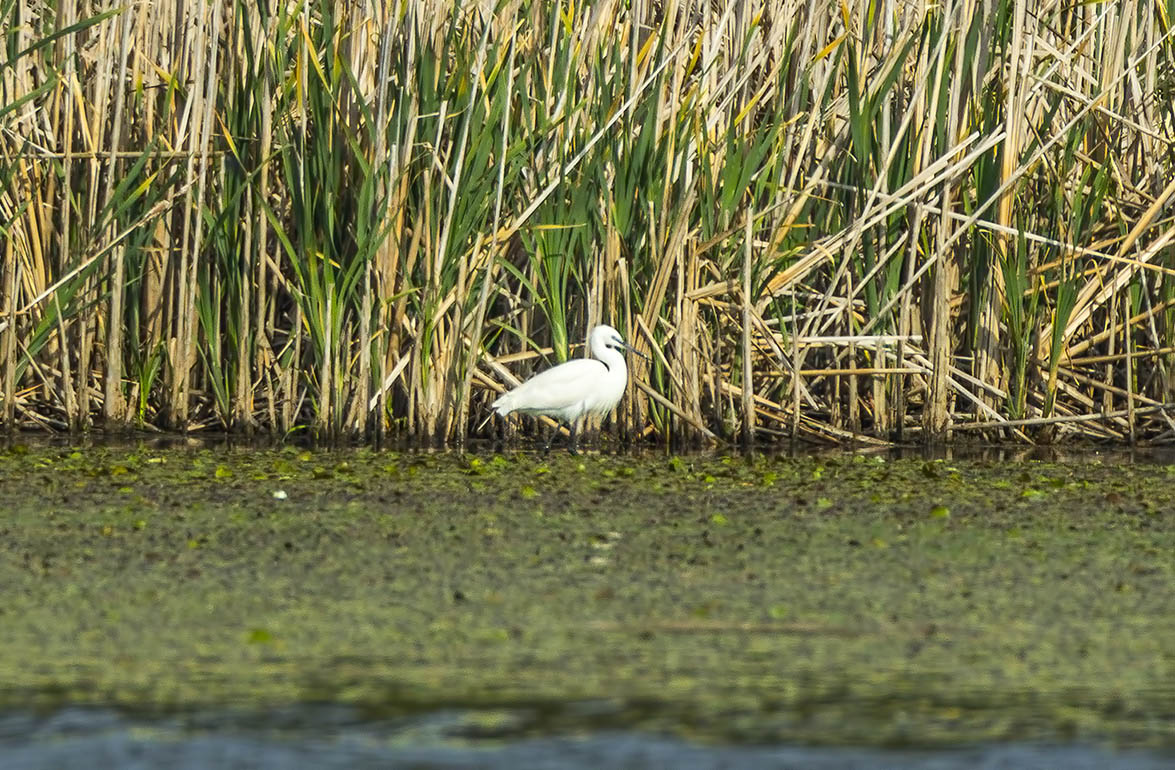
330	737
1066	453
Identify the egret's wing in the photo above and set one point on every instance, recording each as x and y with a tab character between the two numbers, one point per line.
556	388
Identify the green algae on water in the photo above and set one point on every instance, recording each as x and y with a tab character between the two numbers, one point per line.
823	600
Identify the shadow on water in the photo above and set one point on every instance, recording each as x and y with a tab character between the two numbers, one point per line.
1084	452
341	737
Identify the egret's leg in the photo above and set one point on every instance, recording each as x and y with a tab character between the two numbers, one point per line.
550	437
571	447
502	434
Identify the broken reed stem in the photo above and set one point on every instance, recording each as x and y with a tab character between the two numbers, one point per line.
8	341
1065	419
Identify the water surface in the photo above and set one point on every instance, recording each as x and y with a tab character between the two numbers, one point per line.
503	608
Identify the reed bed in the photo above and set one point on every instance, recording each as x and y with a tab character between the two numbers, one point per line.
834	221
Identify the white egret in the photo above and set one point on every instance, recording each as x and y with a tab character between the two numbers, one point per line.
575	389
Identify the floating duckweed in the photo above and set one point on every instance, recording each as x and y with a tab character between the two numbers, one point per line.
1006	620
260	636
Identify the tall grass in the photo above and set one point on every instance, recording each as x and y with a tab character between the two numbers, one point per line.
868	221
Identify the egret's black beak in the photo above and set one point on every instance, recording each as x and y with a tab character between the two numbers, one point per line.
631	349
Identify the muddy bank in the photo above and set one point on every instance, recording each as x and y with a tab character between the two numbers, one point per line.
820	600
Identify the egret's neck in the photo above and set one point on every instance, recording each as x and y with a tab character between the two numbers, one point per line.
613	360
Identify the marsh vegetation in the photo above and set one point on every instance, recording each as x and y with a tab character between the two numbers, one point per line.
831	220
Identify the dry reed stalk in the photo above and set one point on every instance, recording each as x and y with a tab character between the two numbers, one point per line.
748	431
1118	357
1065	419
9	338
113	404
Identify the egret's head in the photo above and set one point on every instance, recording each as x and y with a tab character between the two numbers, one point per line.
604	336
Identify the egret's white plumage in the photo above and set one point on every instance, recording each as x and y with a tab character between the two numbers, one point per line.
571	391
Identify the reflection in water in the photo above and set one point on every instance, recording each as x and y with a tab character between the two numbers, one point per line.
962	452
336	737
